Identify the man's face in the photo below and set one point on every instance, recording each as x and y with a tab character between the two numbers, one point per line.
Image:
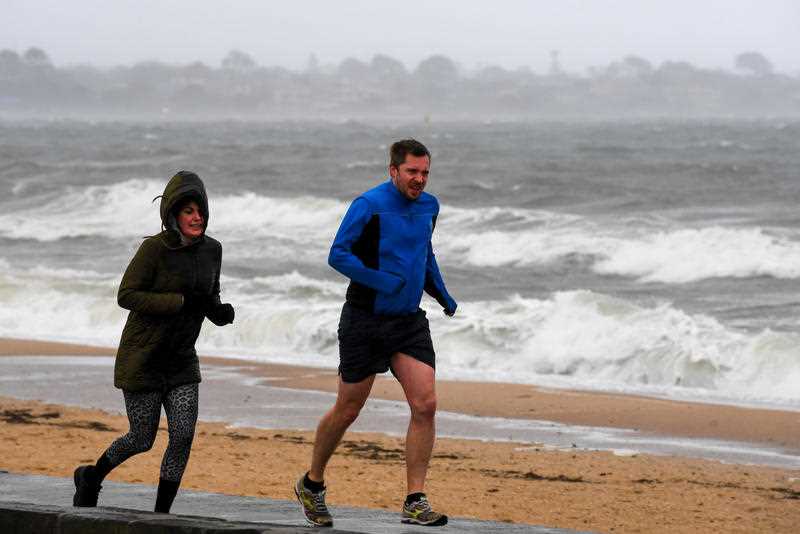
411	176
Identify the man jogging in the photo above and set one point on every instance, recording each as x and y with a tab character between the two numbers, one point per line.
384	246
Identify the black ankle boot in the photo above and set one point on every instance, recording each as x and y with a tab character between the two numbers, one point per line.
167	489
87	486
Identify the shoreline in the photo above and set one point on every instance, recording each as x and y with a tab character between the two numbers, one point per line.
672	418
525	483
578	489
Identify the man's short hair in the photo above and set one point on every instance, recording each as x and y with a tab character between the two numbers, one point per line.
400	149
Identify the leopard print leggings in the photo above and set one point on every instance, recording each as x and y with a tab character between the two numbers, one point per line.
144	413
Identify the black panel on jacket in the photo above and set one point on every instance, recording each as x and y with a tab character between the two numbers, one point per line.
366	249
430	289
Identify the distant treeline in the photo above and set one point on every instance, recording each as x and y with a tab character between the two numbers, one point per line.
437	86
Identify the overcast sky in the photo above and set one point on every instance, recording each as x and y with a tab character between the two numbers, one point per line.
510	33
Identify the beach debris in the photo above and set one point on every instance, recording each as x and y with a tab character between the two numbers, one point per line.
788	493
371	451
531	475
233	435
449	456
88	425
291	439
25	416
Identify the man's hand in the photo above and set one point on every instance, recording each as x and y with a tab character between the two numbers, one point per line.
450	311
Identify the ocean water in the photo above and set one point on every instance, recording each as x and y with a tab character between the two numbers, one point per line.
658	258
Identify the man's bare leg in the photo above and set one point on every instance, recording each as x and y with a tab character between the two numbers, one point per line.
419	384
349	401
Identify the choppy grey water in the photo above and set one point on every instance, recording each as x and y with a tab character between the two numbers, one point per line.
651	257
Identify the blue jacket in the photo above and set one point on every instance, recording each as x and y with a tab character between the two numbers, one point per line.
384	246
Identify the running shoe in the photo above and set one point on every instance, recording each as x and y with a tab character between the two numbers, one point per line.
420	512
313	505
87	489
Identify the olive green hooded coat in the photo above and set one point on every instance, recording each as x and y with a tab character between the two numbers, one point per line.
156	351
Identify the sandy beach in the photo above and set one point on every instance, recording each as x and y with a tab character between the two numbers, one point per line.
515	482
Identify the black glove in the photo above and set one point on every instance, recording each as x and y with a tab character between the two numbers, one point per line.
196	303
221	314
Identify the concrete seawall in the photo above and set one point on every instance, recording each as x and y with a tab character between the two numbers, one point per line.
42	505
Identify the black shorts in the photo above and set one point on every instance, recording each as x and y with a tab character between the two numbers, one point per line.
368	341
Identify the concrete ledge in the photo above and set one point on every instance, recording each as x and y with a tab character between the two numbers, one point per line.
26	518
43	505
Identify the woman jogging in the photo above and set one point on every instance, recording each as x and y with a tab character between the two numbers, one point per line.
170	286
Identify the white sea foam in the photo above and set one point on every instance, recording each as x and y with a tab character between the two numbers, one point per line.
290	318
575	339
258	226
119	210
59	304
687	255
584	338
669	255
124	210
365	164
299	220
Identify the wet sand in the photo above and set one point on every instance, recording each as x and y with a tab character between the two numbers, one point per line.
664	417
501	481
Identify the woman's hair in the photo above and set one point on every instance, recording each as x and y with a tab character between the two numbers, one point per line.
183	201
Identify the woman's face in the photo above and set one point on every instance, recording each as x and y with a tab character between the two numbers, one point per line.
190	220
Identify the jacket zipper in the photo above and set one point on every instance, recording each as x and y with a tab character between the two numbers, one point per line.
194	270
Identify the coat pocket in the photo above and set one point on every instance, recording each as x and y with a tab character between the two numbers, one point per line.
133	331
139	330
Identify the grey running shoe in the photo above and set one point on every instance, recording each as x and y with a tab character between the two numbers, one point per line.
87	489
420	512
313	505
